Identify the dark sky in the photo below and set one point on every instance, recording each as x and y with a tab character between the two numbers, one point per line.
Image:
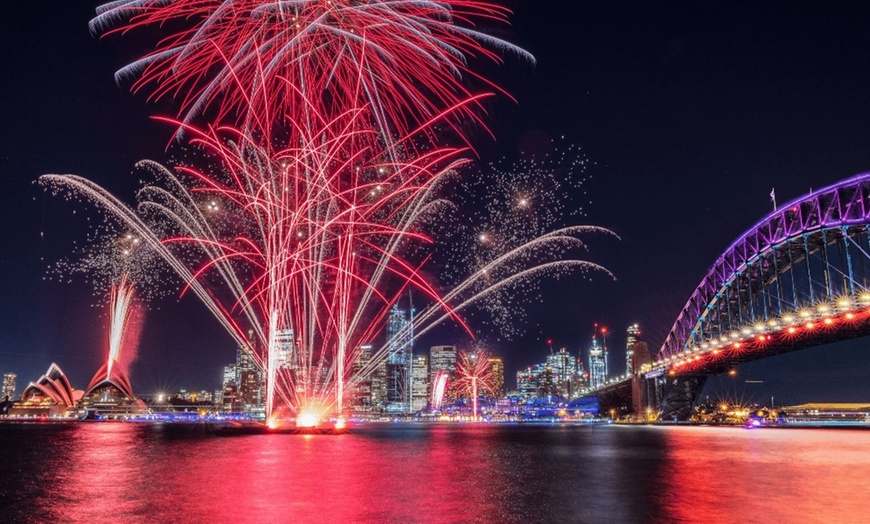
691	111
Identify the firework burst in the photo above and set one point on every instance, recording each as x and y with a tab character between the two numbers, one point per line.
303	245
110	255
301	214
475	376
257	60
507	208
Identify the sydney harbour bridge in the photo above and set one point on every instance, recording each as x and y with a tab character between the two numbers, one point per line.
799	278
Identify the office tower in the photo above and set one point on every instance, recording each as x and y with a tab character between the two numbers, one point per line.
288	360
361	396
563	366
9	385
420	383
230	388
249	377
597	367
229	375
400	334
496	366
546	381
441	358
379	386
285	343
527	384
632	333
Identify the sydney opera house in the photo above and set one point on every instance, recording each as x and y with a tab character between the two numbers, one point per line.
108	395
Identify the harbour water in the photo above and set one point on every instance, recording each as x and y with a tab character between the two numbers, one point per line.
125	472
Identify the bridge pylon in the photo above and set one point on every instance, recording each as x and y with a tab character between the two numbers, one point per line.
678	395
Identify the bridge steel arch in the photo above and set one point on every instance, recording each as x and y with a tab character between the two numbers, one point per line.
799	277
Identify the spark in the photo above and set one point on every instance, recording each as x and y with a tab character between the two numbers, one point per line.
251	60
303	208
476	376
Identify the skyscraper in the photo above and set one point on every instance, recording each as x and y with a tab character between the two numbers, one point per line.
379	386
597	370
362	394
229	375
230	393
496	366
285	343
287	358
9	384
400	334
441	358
563	365
632	333
420	384
249	377
527	384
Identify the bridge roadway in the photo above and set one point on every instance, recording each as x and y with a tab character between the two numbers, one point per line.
799	278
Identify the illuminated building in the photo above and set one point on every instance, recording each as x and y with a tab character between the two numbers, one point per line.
110	394
229	392
251	390
582	377
527	384
400	336
9	383
249	377
632	333
285	342
443	359
362	393
229	375
230	398
597	366
287	358
563	366
50	395
496	365
546	380
379	386
420	383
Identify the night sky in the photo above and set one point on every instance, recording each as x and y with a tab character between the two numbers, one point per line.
690	111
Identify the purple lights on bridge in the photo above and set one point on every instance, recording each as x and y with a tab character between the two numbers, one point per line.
778	256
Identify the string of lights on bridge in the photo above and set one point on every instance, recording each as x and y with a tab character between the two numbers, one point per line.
843	311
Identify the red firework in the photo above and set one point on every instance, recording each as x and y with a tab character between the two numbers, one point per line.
406	61
475	375
309	239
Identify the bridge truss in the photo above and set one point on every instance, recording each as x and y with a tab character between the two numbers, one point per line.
798	278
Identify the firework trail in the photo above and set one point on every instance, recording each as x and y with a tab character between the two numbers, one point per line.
475	375
117	264
439	387
244	60
109	256
302	214
121	334
313	259
518	208
306	240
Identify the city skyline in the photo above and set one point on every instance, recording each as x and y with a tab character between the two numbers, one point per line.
637	122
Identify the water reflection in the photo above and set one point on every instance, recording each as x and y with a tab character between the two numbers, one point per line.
731	474
130	473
